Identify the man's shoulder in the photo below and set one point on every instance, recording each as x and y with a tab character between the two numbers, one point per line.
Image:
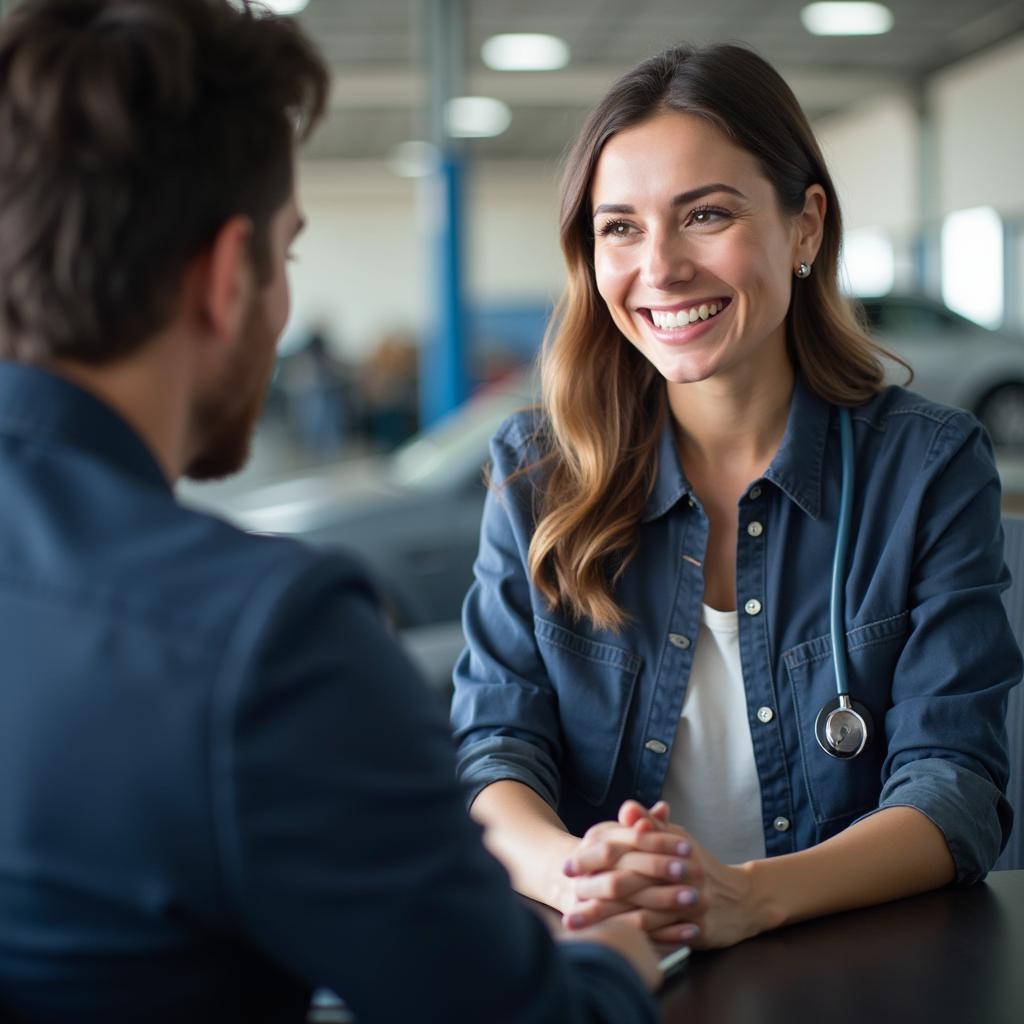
233	572
182	576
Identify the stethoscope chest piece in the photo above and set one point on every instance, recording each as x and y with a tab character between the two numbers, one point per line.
843	727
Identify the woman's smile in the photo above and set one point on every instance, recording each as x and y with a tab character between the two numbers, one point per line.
685	321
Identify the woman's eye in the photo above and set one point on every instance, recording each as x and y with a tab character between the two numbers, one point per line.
708	214
615	229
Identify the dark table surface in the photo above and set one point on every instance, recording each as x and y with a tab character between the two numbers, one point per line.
956	955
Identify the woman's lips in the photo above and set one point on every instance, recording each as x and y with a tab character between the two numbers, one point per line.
693	319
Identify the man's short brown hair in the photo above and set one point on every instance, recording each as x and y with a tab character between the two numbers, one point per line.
130	131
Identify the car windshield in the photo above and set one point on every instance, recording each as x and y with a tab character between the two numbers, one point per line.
452	452
911	316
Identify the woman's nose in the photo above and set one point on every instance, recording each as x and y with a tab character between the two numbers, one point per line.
666	262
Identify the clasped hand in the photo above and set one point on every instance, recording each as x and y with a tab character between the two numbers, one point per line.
653	874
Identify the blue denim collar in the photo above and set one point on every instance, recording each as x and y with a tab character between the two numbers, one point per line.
796	469
40	406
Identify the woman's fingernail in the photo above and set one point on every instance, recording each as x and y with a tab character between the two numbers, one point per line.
684	849
687	897
576	921
689	932
677	869
567	869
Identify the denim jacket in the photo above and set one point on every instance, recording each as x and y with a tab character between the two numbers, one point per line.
587	717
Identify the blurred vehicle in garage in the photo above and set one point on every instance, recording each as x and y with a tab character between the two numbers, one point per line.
956	361
412	517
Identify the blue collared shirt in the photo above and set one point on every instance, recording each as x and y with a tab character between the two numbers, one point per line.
587	717
222	782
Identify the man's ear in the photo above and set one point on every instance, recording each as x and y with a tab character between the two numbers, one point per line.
226	280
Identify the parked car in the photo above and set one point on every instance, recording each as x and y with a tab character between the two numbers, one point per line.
413	516
956	361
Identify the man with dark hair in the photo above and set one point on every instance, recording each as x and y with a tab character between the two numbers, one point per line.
221	783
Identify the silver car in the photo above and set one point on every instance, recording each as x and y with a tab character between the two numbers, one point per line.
412	517
956	361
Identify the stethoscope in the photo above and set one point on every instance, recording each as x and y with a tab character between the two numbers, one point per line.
843	727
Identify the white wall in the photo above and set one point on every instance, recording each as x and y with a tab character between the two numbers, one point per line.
872	156
364	262
980	123
358	270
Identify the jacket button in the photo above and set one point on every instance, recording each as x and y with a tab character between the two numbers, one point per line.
656	746
781	824
765	715
753	607
755	492
755	529
678	640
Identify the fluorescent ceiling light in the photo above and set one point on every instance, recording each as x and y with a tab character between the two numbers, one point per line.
286	6
525	51
476	117
846	19
413	159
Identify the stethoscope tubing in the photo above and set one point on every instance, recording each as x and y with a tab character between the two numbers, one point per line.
837	609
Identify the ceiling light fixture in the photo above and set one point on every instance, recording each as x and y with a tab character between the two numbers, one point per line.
476	117
287	6
846	19
525	51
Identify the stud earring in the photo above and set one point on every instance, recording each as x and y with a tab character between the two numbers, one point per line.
804	270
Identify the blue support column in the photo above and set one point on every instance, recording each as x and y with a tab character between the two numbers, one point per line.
928	250
443	377
442	361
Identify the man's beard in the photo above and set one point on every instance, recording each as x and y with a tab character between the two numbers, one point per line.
224	419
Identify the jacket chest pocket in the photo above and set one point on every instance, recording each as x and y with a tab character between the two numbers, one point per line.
841	790
594	683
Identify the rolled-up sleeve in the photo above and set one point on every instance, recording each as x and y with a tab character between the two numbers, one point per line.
505	711
947	752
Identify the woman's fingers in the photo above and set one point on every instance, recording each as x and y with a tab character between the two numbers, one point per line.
621	887
636	870
631	812
687	933
604	854
653	922
660	811
584	914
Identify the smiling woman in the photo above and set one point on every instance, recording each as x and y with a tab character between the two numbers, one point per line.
650	631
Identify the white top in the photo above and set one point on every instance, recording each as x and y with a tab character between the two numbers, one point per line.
712	785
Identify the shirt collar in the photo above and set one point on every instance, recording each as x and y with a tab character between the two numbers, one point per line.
40	406
797	466
796	469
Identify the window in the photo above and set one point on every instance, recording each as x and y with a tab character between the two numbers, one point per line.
972	264
868	262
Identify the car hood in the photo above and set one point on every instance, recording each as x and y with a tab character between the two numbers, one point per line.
304	503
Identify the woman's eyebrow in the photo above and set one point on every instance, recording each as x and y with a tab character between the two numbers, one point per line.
680	200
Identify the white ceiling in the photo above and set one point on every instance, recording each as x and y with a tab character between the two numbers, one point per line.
378	51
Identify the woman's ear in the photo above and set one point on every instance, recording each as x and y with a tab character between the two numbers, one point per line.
226	278
810	225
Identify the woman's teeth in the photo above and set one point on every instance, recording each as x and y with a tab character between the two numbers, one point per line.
685	317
